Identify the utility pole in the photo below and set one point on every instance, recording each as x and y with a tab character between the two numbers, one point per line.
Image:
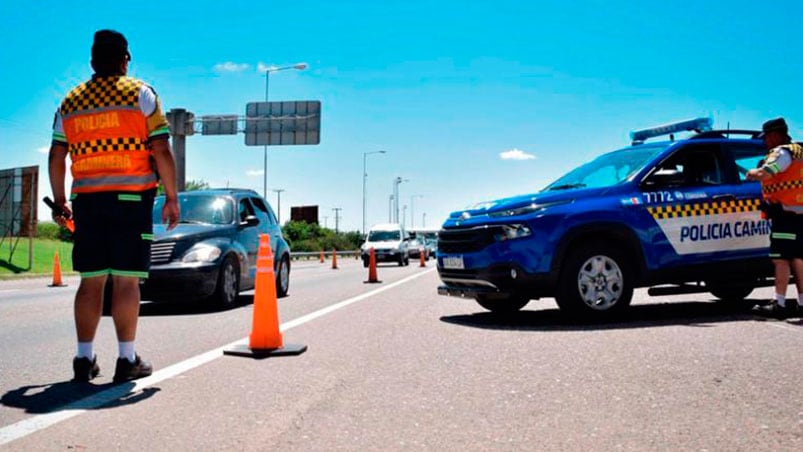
326	221
279	203
337	217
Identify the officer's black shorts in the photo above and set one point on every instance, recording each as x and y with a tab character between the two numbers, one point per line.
786	238
113	233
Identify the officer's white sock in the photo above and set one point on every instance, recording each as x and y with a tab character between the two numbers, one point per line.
780	300
127	350
85	350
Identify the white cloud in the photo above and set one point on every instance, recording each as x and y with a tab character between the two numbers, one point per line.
43	149
516	154
254	173
228	66
262	67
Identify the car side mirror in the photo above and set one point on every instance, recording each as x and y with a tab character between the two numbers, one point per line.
665	177
249	221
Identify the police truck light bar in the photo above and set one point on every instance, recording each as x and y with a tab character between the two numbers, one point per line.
698	125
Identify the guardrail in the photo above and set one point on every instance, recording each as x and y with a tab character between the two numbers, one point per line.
309	255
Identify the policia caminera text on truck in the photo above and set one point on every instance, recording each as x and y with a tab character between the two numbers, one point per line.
677	216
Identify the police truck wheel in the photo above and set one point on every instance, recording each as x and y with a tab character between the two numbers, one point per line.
283	277
502	306
596	281
228	284
733	296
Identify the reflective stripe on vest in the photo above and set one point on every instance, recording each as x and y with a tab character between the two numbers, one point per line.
786	187
107	136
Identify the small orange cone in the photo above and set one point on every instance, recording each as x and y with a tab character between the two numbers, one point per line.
265	339
322	258
57	282
372	267
422	253
334	258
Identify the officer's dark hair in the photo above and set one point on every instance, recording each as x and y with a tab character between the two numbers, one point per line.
109	52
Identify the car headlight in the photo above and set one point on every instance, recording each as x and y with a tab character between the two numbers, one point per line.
512	231
201	253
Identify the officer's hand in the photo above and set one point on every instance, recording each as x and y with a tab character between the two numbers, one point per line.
67	213
171	213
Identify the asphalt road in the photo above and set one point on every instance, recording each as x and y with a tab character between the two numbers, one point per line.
394	366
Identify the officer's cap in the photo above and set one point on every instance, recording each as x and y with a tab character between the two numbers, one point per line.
774	125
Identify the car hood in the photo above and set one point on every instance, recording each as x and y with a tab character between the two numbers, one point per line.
523	204
195	231
383	245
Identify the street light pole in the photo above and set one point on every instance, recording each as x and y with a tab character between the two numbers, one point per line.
337	217
278	192
297	66
364	180
396	183
390	209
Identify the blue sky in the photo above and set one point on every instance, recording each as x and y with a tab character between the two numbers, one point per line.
447	88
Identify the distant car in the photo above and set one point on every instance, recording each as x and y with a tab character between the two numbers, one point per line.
390	243
432	246
417	245
211	255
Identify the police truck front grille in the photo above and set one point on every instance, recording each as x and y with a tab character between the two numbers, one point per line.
162	252
465	240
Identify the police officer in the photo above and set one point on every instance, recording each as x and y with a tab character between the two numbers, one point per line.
116	135
781	177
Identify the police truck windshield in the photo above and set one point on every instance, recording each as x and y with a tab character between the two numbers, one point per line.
608	169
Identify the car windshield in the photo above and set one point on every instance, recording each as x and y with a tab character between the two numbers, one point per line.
383	236
608	169
199	209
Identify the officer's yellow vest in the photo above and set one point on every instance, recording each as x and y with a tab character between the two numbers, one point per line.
107	136
787	187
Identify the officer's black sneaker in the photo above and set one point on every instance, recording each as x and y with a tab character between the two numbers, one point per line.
777	311
85	369
126	370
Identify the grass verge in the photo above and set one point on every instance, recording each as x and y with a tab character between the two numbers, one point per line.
43	252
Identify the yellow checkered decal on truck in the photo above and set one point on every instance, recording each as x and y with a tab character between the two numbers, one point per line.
703	208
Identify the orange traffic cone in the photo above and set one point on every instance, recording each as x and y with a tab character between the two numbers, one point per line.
423	257
372	267
334	258
265	339
322	259
57	282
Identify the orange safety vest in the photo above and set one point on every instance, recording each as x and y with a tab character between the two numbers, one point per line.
786	187
107	136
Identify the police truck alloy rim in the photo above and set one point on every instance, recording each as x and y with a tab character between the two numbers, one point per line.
600	282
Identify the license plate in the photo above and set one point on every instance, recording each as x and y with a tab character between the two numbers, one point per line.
453	262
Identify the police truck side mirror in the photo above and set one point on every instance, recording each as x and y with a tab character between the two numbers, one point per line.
664	177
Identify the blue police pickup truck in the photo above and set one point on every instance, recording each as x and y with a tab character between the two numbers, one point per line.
676	216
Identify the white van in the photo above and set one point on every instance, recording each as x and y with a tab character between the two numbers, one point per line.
390	243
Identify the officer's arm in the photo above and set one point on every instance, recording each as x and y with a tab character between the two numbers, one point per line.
57	169
166	166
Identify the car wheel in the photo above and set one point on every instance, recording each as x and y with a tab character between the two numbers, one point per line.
365	263
502	306
283	277
732	295
596	281
401	260
228	284
407	260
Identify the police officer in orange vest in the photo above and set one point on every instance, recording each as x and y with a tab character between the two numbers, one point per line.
116	135
781	177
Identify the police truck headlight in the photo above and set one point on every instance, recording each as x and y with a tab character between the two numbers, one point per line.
512	231
201	253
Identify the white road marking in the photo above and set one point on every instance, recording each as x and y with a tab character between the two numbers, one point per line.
40	422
